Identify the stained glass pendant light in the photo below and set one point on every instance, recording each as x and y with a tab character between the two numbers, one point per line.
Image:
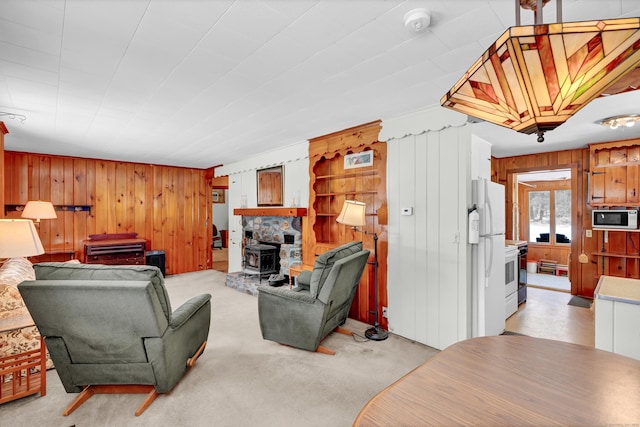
535	77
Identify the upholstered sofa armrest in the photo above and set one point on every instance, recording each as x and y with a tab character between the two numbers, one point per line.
289	294
186	310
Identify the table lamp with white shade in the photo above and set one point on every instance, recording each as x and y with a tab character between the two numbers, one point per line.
354	214
38	209
19	238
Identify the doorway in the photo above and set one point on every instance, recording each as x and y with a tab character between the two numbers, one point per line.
544	220
220	227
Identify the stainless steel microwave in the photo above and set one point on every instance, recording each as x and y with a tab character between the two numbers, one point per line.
614	218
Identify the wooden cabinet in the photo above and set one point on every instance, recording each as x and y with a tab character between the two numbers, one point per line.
614	181
330	185
615	173
117	250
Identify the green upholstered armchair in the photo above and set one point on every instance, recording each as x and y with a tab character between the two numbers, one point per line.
303	316
110	328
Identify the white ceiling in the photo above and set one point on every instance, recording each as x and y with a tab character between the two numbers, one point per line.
200	83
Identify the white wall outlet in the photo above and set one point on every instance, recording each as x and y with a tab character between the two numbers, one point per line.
588	233
407	211
384	312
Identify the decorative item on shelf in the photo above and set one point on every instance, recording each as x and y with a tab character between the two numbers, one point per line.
37	210
19	238
353	214
358	160
217	196
622	121
534	78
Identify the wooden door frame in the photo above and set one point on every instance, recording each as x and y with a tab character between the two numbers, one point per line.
576	212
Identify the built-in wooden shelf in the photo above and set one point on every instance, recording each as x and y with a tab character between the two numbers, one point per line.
349	175
623	230
345	193
271	212
617	255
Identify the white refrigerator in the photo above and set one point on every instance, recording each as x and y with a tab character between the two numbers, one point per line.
488	259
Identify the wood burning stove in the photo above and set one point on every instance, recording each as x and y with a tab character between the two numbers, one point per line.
261	259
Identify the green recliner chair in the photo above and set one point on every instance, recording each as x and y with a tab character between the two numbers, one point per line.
301	317
110	328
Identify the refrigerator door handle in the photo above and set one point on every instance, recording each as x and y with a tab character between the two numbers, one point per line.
489	264
487	203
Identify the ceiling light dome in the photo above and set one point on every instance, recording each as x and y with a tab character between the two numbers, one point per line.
626	120
417	20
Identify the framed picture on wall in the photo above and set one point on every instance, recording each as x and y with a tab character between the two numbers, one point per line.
217	196
358	160
270	186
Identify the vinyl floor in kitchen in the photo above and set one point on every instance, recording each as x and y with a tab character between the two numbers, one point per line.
546	314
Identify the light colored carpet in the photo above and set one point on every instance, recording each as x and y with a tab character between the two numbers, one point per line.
241	379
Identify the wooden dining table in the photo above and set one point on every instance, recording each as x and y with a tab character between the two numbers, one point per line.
512	381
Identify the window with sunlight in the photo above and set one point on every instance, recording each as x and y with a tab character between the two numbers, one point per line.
550	216
539	216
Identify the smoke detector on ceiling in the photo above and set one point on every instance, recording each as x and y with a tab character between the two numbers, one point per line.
417	20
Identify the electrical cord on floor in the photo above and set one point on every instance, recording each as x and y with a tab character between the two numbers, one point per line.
355	334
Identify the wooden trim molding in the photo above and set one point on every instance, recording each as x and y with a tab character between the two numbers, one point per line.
271	212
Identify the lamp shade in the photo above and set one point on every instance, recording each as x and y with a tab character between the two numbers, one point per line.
19	238
534	78
353	213
39	210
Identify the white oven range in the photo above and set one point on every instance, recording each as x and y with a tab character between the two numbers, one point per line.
511	269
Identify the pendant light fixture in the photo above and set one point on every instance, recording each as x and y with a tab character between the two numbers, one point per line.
535	77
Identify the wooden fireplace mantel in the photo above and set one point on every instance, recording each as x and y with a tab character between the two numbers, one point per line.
271	212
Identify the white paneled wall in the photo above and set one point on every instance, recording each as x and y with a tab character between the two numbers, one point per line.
428	264
429	274
243	183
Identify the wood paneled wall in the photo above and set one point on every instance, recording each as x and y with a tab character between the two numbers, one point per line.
168	206
330	185
3	132
584	277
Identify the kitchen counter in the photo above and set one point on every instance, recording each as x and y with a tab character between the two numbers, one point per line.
515	242
617	314
618	289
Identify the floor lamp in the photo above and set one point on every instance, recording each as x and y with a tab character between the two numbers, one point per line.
353	214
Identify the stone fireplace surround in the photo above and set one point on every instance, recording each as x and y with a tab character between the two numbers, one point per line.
273	229
265	229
